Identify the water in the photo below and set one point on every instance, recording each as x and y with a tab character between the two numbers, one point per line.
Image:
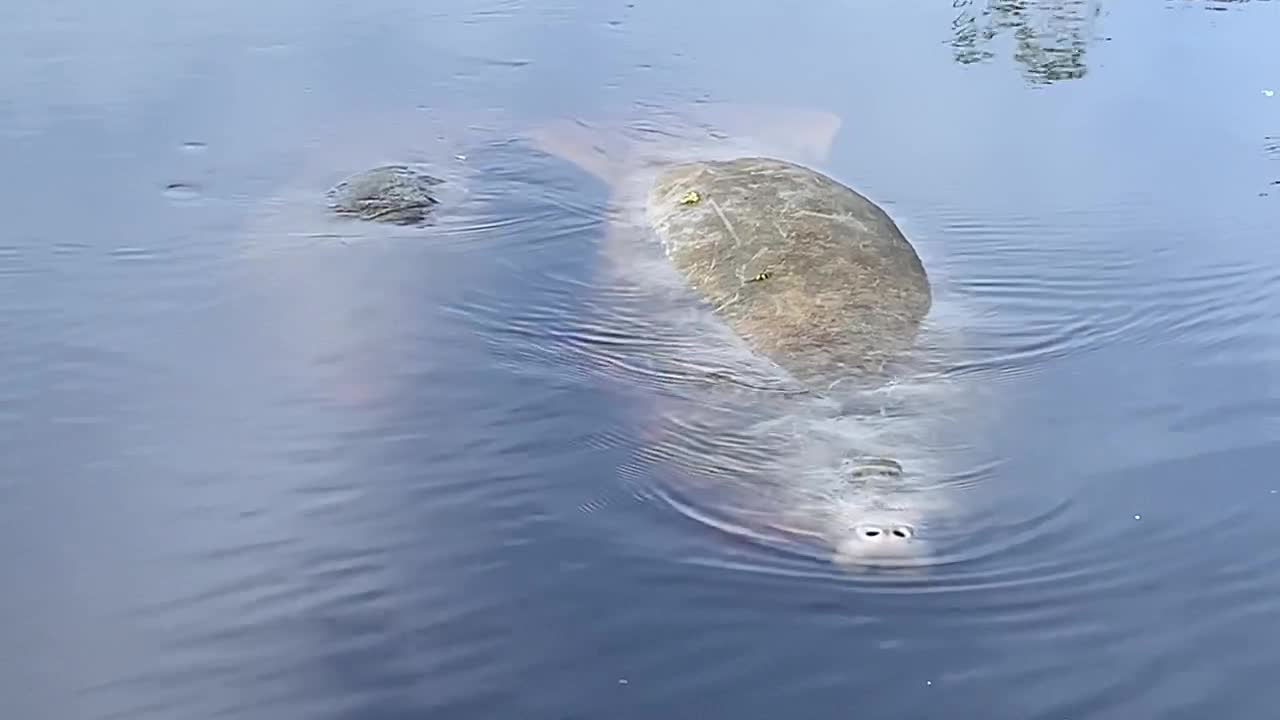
256	463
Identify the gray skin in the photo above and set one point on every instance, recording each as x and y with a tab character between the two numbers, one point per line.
810	273
395	194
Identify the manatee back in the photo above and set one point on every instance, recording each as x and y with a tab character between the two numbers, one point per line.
810	273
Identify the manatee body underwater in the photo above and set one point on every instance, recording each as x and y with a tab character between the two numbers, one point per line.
803	270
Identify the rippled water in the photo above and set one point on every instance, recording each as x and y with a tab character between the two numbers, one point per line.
259	462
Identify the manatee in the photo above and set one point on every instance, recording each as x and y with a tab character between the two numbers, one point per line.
398	194
306	264
372	174
809	277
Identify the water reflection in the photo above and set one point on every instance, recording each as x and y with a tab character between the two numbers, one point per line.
1224	5
1051	38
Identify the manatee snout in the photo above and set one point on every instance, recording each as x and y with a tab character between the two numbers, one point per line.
877	524
886	542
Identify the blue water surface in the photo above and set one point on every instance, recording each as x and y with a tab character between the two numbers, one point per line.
256	462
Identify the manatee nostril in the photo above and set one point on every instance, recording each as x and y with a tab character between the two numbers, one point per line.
869	467
871	532
901	532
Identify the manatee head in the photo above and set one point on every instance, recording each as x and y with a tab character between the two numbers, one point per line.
875	517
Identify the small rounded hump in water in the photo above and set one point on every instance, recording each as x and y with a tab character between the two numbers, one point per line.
397	194
394	170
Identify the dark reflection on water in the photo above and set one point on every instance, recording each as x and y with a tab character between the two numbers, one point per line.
1051	38
1271	145
259	462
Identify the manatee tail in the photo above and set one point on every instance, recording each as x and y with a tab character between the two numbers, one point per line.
607	152
593	149
799	134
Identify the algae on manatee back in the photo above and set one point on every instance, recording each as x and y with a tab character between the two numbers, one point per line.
846	292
